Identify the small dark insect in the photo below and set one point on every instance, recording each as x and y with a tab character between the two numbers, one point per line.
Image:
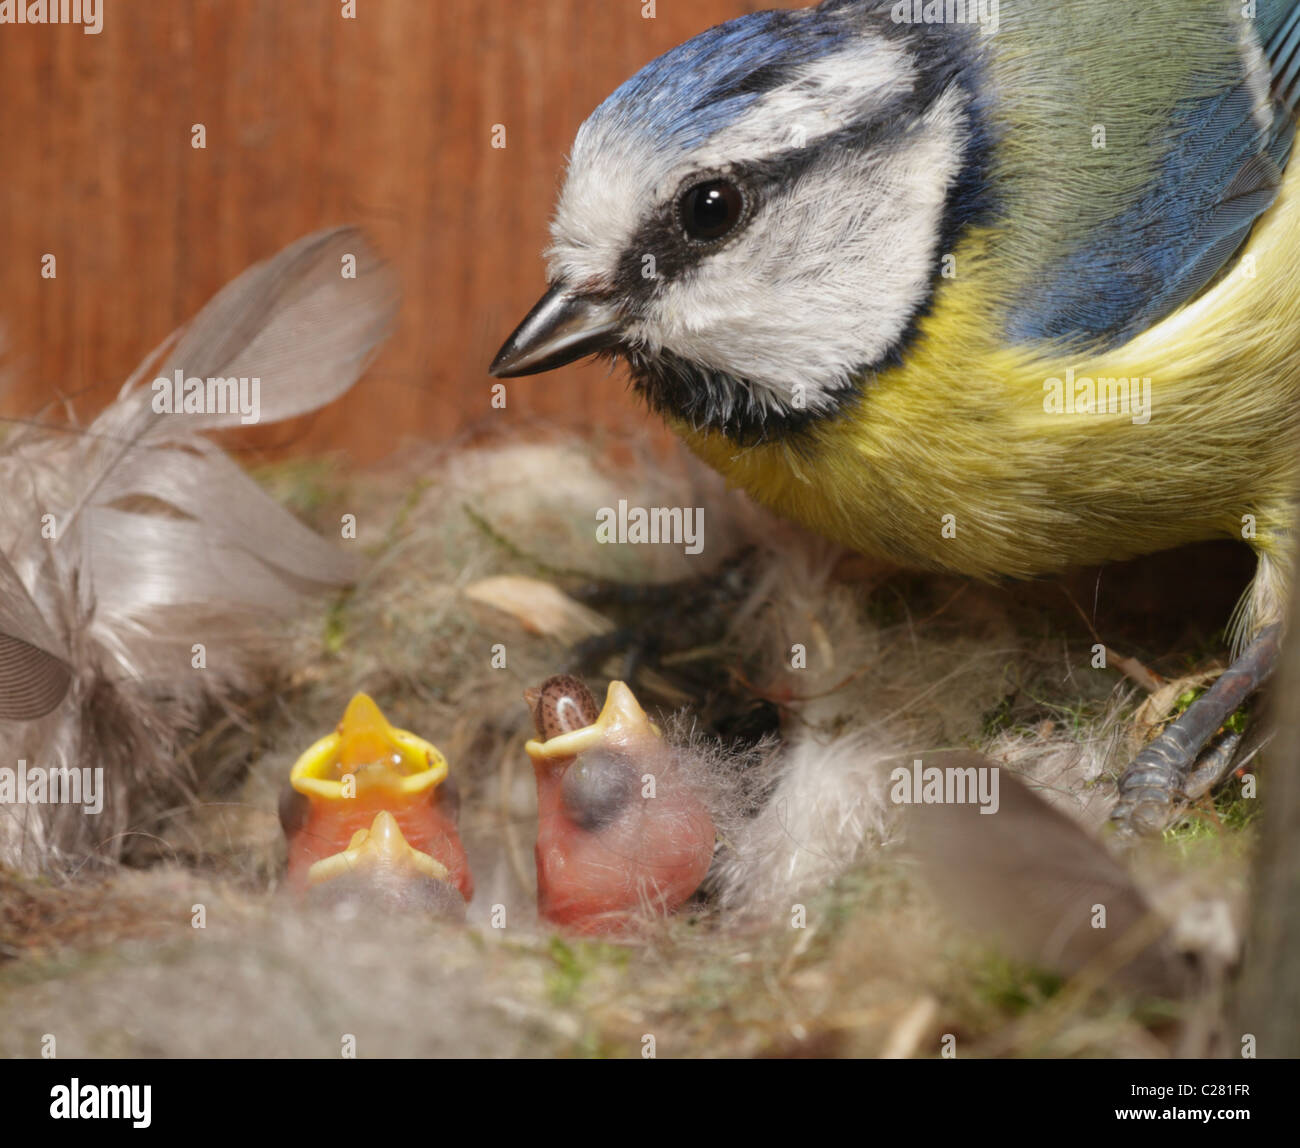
561	704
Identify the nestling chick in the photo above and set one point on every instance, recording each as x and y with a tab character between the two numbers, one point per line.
621	830
370	806
994	300
381	870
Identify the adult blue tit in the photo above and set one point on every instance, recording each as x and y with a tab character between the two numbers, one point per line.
994	288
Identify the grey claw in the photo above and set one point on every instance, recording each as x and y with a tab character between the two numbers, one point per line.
1177	766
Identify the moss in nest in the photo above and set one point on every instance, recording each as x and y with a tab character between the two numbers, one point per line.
1221	824
574	961
1011	987
311	487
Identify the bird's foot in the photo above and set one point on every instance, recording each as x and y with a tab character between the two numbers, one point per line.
1192	755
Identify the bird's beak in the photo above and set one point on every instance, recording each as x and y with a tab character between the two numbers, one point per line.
380	756
382	848
564	326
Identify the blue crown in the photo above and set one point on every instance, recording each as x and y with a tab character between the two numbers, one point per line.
702	86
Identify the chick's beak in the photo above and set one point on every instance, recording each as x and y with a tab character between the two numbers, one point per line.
383	847
562	327
364	734
380	756
381	870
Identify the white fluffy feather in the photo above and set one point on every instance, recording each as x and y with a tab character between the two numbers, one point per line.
127	545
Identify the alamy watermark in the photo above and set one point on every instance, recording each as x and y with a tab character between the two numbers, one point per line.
214	396
54	785
678	525
946	785
88	13
77	1101
1103	395
981	12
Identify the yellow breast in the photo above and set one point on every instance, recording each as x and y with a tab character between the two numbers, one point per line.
983	459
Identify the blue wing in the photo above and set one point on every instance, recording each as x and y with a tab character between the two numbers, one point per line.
1220	172
1280	32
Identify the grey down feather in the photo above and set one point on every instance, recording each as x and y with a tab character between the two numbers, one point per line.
125	545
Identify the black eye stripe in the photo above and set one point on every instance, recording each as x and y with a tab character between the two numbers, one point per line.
662	250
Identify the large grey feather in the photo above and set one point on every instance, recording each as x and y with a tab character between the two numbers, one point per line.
130	544
1032	877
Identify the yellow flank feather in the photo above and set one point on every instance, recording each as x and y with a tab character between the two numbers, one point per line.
972	429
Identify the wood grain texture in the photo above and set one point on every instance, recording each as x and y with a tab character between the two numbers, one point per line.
311	120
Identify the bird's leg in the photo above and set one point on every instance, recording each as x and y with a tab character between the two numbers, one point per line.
1161	776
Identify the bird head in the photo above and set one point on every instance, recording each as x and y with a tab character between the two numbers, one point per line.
592	759
756	220
366	754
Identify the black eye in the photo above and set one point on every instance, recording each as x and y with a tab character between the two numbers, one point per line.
711	210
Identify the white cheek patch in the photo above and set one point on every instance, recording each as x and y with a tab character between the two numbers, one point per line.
826	278
619	173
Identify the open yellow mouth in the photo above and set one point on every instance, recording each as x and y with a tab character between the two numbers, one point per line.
365	752
622	722
381	847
